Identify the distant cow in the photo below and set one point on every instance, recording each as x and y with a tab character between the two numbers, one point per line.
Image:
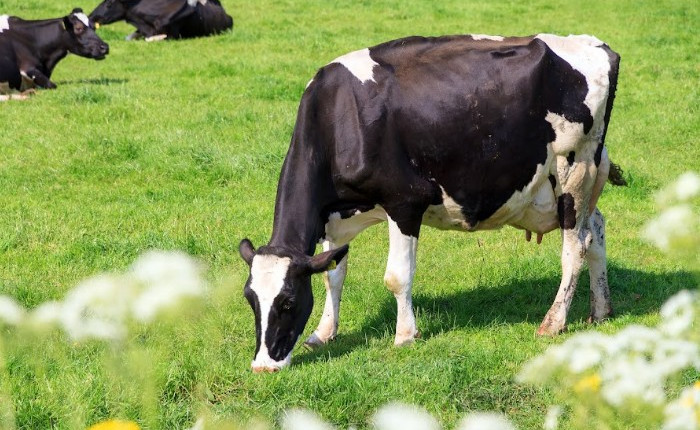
172	19
29	50
463	132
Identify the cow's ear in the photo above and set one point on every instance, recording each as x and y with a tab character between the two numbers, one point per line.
324	261
245	248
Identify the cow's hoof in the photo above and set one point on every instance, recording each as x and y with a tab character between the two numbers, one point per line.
550	330
314	342
265	369
406	340
592	319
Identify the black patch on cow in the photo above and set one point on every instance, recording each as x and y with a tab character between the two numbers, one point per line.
614	59
255	305
566	211
571	90
570	158
553	181
503	53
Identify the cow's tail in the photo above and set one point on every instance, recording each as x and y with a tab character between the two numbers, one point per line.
615	175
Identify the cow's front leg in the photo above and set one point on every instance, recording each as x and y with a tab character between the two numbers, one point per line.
333	279
400	268
38	78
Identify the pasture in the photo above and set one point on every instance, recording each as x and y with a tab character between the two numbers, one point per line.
178	146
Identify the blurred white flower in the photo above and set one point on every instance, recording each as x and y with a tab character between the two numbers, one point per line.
47	313
672	224
199	424
103	306
11	312
485	421
297	419
397	416
166	278
685	188
96	308
684	412
551	420
678	313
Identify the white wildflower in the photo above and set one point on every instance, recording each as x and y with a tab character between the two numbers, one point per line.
631	377
678	313
298	419
684	412
551	420
96	308
397	416
166	279
685	188
47	313
673	224
485	421
11	312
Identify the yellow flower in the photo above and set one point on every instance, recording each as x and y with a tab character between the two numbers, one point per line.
589	383
115	425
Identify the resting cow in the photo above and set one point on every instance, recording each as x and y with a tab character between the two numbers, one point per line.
171	19
30	50
462	132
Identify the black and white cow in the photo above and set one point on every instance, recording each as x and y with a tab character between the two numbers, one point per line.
30	50
460	132
171	19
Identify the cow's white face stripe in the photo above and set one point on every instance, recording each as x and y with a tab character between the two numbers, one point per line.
268	273
83	18
4	23
486	37
359	63
585	55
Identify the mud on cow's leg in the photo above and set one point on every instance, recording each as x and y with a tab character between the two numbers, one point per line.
398	278
333	279
597	262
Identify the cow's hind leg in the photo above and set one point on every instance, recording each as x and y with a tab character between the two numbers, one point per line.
572	208
398	278
333	279
597	268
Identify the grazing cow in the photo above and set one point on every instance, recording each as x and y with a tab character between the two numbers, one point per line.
171	19
30	50
461	132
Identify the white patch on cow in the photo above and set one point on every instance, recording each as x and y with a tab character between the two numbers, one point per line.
486	37
359	63
398	278
568	134
83	18
267	279
339	230
4	23
447	216
585	54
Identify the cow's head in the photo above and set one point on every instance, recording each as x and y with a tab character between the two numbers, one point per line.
83	40
279	291
110	11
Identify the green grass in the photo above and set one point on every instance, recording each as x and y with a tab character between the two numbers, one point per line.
178	145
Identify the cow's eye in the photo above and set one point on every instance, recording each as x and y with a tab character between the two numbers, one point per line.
79	30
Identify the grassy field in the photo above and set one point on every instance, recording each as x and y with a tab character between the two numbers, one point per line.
178	145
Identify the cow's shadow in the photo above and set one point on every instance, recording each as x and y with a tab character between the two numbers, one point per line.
633	292
97	81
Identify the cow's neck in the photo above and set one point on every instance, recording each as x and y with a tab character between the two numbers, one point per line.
302	193
47	40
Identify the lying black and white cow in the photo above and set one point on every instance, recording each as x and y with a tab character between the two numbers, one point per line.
172	19
463	132
30	50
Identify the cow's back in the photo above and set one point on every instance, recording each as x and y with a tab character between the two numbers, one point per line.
475	117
